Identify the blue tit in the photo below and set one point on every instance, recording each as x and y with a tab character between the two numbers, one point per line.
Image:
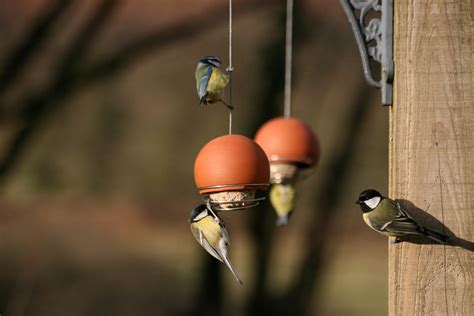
210	81
283	199
209	230
389	218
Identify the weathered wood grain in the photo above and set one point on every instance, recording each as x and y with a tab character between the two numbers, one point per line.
432	153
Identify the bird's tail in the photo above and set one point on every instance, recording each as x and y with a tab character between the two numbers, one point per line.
202	100
282	220
231	268
436	236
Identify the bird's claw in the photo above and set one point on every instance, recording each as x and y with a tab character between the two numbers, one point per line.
230	107
395	240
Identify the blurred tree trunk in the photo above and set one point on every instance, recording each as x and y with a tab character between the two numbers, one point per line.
209	299
300	297
432	153
269	102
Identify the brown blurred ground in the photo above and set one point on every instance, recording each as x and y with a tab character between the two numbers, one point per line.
94	219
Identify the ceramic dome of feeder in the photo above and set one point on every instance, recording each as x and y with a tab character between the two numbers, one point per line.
291	147
230	169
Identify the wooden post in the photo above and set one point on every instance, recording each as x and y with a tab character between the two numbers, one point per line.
432	153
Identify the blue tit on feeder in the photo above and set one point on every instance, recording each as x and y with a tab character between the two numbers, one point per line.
210	81
292	149
210	232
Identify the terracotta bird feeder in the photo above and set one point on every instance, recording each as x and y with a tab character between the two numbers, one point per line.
291	147
229	170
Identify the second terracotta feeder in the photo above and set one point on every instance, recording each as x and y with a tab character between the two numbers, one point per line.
229	170
291	147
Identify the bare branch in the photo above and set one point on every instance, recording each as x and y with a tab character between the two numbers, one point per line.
28	46
160	39
38	106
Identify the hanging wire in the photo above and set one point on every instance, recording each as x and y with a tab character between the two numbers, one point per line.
230	68
288	56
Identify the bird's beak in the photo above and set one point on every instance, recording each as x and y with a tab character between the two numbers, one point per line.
359	202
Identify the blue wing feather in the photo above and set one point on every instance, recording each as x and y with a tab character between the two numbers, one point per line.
203	83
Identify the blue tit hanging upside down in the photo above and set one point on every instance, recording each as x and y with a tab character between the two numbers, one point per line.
389	218
211	81
209	230
283	200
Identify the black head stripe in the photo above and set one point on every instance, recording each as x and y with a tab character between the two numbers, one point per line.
211	60
365	208
196	211
368	194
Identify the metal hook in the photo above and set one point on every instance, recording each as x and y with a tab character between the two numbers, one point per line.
209	208
374	40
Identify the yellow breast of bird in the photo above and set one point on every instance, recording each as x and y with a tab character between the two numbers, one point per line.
210	228
282	199
216	85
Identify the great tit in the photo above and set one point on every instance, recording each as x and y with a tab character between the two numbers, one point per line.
209	230
210	81
283	200
389	218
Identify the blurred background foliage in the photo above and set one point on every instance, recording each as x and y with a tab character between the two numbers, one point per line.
99	128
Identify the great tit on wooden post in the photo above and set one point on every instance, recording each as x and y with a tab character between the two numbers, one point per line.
210	81
283	200
389	218
210	232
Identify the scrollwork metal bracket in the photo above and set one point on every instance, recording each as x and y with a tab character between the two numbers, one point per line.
374	38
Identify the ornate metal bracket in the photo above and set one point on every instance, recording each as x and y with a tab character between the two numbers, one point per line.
374	39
